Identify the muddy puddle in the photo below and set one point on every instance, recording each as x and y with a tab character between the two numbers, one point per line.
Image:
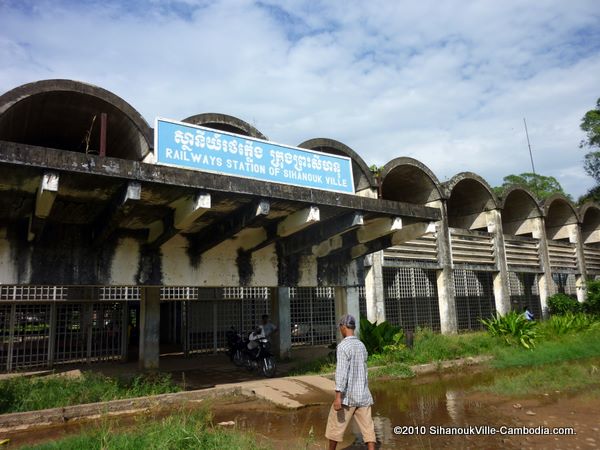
422	408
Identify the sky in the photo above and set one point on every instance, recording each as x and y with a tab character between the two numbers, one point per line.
445	82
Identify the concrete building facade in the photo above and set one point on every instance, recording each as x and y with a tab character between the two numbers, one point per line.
105	254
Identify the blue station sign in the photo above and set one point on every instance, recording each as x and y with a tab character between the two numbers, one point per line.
194	147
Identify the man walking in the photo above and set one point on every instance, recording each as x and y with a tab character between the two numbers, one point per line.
352	395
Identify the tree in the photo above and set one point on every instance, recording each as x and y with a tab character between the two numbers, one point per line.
541	185
591	125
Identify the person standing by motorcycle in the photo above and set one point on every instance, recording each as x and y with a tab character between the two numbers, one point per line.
268	327
352	395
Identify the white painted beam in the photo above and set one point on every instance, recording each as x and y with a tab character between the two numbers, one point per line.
46	194
378	228
298	220
189	209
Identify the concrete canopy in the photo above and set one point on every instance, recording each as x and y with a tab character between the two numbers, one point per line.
60	114
469	196
408	180
519	206
363	178
103	209
225	122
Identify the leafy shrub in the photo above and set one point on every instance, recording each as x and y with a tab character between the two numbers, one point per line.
377	337
514	328
592	302
559	304
569	323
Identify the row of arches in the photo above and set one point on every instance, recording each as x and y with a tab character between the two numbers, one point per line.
63	114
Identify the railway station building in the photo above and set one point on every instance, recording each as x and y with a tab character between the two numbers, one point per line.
117	241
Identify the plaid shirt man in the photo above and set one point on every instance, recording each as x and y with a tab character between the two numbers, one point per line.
351	373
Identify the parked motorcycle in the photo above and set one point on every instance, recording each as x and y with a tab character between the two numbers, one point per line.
236	345
260	357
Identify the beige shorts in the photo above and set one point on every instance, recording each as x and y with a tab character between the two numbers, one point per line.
338	421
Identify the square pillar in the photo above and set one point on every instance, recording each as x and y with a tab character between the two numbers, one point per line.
545	282
581	279
280	315
445	282
374	289
501	292
149	328
346	298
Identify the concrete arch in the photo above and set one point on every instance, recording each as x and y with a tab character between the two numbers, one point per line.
590	222
408	180
60	113
560	217
559	210
225	122
469	196
363	178
519	206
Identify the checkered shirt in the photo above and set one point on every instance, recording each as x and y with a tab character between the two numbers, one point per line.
351	373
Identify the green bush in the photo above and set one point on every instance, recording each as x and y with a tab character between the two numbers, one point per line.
559	304
568	323
378	337
592	302
514	328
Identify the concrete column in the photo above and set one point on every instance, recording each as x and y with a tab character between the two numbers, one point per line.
445	284
280	315
581	280
374	289
501	291
149	328
545	283
346	298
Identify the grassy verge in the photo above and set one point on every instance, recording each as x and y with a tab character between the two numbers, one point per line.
184	430
566	376
29	394
432	347
428	347
580	345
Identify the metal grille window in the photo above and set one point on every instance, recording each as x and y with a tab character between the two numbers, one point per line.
362	301
523	289
107	331
411	298
33	293
312	312
178	293
71	333
119	293
474	296
565	283
31	336
5	335
217	310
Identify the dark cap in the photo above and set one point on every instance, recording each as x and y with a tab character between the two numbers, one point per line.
348	321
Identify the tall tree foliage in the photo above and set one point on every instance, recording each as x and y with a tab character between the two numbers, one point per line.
591	164
541	185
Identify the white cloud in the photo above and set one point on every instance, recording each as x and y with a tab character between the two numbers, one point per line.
446	82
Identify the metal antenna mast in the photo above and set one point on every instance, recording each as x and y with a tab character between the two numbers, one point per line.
529	145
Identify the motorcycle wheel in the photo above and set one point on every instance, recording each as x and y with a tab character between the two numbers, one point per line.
238	358
267	366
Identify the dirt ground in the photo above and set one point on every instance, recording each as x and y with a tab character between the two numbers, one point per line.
304	428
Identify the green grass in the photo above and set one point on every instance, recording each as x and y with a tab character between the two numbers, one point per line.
397	370
29	394
431	347
566	376
183	430
585	344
